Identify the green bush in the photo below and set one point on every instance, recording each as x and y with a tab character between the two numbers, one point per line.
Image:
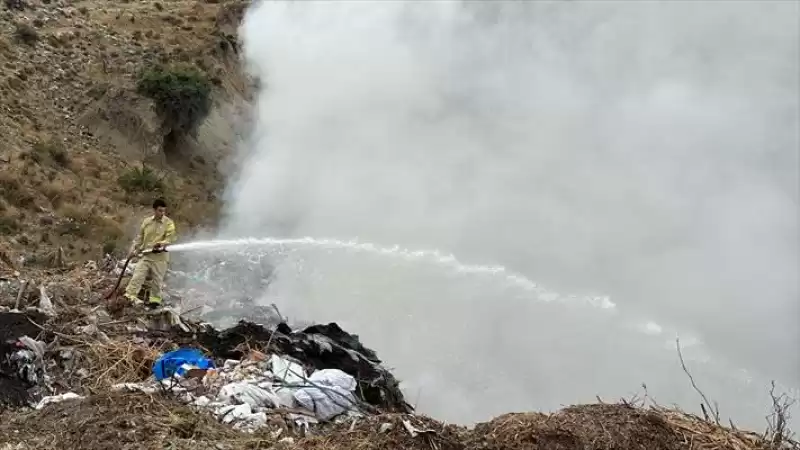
182	97
141	179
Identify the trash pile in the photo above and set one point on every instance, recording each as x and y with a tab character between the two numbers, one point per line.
313	376
22	371
245	393
76	373
247	376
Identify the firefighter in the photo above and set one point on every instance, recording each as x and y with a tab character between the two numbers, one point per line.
156	232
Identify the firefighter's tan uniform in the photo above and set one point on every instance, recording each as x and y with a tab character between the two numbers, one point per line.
152	232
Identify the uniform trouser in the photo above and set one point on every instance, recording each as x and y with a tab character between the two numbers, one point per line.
145	267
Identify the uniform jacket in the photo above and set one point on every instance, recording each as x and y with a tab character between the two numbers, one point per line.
154	232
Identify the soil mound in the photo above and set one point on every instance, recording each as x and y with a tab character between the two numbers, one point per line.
109	421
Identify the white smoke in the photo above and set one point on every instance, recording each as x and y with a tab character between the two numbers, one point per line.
643	150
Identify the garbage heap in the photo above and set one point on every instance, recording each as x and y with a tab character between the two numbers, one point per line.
243	376
76	372
245	373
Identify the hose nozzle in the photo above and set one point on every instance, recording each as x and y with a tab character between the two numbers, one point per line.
156	249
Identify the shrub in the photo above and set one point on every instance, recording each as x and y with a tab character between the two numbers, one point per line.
26	34
8	225
12	190
86	222
52	149
141	179
78	222
182	97
18	5
109	247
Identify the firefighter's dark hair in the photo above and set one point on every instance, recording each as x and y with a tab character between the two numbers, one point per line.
159	203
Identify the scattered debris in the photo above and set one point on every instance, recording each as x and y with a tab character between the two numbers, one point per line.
45	305
50	399
87	377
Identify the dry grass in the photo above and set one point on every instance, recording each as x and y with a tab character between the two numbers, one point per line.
120	421
702	434
120	362
614	426
14	191
113	361
388	432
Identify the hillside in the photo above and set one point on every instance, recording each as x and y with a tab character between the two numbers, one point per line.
83	151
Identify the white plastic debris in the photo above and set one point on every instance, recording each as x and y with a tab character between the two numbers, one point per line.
287	371
237	413
37	347
238	393
135	387
286	396
50	399
201	401
230	364
333	396
327	402
333	377
252	422
45	305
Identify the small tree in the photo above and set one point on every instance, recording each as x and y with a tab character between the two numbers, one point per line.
182	97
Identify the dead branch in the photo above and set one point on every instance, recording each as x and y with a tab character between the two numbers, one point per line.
778	431
705	403
22	290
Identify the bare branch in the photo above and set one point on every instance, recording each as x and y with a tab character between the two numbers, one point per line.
778	432
706	403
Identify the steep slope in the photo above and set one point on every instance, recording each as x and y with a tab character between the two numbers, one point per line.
76	134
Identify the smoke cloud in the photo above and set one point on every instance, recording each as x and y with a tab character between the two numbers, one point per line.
643	150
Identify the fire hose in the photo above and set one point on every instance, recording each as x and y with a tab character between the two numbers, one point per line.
156	249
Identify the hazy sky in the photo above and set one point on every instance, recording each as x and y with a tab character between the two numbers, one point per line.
646	151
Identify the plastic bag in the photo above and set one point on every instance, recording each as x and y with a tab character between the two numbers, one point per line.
238	393
333	397
179	361
326	402
334	377
45	305
287	371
